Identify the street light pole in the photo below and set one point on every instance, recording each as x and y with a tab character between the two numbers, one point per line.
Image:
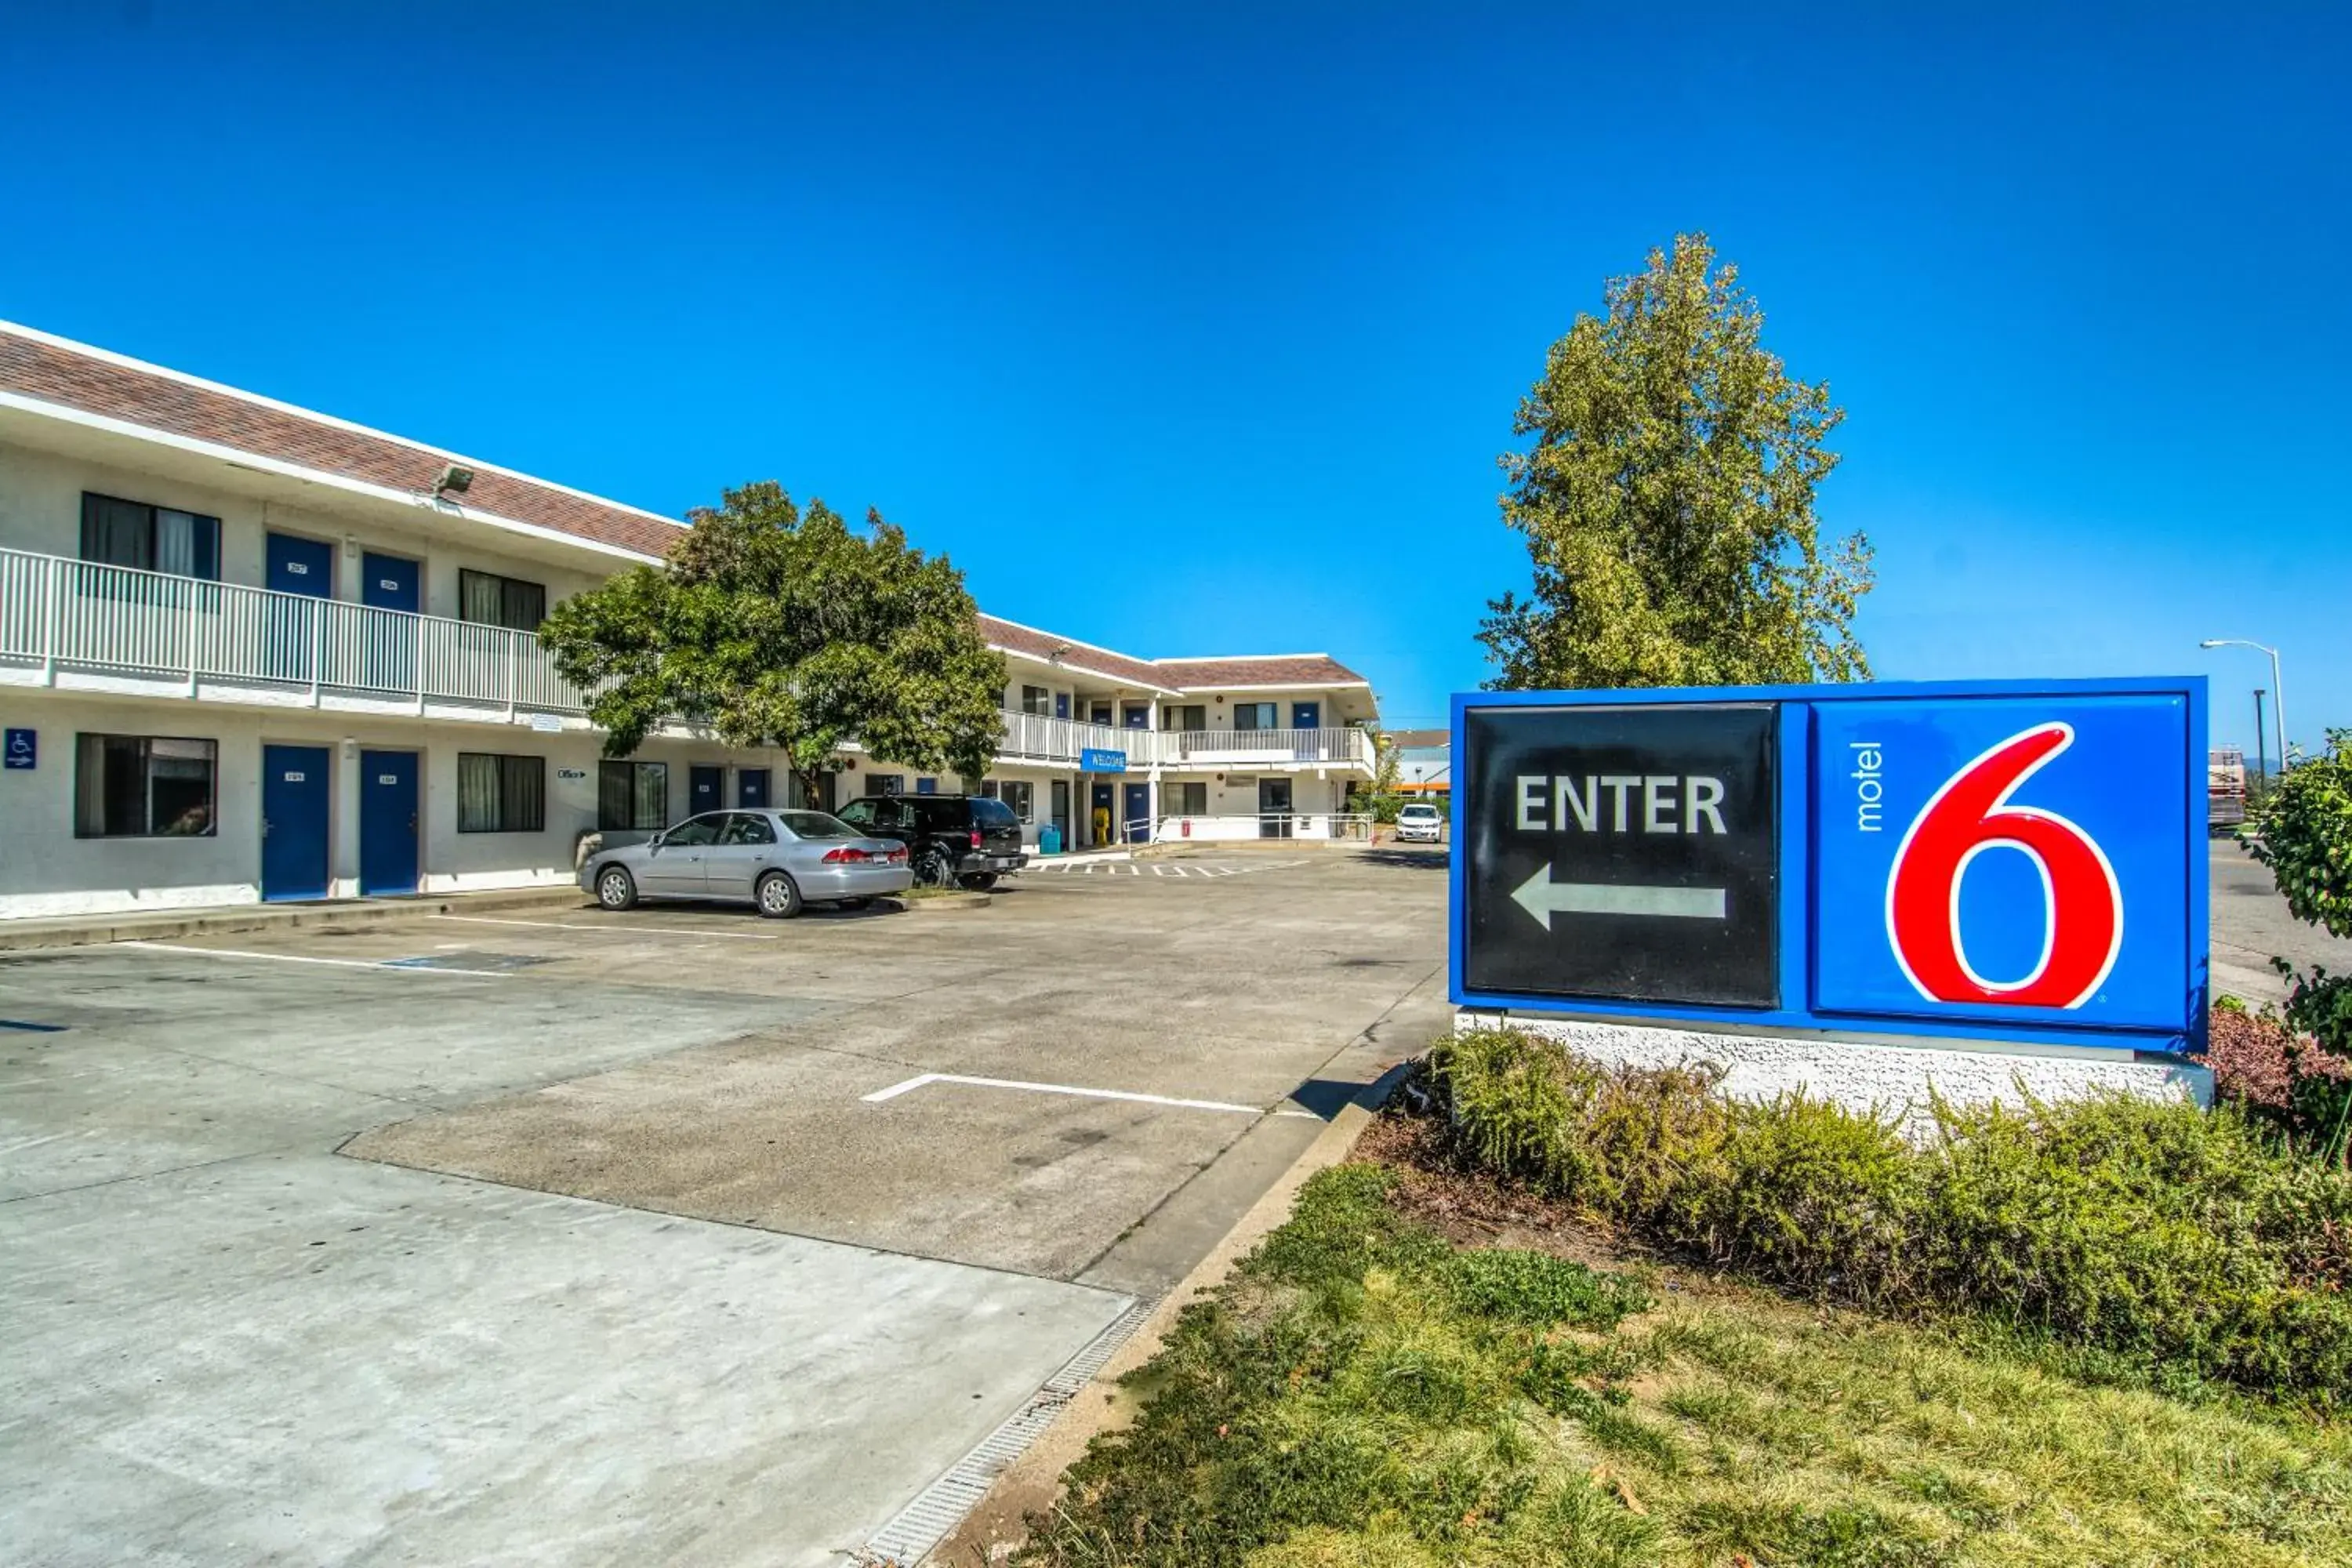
2278	686
2261	763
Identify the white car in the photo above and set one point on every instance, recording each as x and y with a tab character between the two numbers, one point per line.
1421	820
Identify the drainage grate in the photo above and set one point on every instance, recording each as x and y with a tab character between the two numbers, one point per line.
940	1507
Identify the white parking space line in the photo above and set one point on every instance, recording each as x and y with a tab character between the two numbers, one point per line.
923	1080
617	931
387	966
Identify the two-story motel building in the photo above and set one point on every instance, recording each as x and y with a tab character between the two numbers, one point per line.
247	651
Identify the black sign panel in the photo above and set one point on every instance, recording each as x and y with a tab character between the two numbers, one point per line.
1625	853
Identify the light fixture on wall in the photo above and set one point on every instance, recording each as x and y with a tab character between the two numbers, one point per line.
454	479
350	547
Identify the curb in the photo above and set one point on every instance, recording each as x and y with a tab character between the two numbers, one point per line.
163	926
996	1523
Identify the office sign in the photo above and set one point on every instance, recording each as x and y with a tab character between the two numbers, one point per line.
21	748
1623	852
2006	860
1093	761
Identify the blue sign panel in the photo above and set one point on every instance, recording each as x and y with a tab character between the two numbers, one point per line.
21	748
1091	761
2002	860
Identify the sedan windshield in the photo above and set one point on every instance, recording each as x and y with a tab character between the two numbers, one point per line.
817	825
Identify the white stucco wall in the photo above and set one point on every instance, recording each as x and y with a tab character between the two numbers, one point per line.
1866	1075
46	870
40	509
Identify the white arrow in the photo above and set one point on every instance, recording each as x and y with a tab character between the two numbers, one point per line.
1543	897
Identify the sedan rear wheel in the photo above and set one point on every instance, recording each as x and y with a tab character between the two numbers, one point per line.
615	889
779	899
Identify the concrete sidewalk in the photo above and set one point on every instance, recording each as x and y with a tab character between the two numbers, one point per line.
164	925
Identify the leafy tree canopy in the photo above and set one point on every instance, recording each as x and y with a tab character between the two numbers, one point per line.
783	628
1667	500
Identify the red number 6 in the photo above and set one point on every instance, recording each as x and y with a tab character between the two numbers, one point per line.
2082	906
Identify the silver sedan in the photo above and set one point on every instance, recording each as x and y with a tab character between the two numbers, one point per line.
776	861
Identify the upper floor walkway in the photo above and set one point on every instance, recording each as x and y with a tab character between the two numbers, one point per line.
83	626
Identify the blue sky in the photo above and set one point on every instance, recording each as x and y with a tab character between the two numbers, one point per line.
1194	330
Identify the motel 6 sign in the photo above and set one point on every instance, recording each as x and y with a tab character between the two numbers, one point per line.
2018	861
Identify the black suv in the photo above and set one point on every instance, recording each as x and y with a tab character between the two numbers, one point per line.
950	838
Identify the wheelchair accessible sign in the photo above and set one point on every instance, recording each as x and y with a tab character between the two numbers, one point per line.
21	750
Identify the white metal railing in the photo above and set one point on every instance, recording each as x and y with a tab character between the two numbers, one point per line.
1328	827
80	614
1049	739
62	614
1242	747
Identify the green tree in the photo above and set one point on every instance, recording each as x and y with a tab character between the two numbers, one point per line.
777	627
2305	836
1667	500
1387	797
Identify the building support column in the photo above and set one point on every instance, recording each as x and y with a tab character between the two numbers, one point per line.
343	867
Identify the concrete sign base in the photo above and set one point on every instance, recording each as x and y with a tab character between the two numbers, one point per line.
1863	1074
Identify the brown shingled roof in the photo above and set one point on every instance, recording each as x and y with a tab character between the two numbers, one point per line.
1081	656
90	382
1278	669
32	367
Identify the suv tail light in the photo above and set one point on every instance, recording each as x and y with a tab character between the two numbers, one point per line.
846	856
975	838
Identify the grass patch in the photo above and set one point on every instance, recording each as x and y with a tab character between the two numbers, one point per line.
1365	1393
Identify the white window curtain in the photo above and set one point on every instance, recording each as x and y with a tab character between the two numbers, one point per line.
175	542
478	792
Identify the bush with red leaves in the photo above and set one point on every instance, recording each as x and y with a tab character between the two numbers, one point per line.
2289	1080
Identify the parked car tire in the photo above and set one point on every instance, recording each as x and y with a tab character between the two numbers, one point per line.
978	881
615	889
932	870
778	896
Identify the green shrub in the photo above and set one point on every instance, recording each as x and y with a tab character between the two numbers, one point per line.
1618	1141
2304	837
2179	1241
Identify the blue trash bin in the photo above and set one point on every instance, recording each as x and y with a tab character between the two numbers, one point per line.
1049	840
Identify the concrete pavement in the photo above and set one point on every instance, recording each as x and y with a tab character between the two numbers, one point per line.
2251	924
633	1269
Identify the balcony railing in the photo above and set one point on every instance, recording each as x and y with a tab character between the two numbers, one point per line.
59	615
62	614
1246	748
1047	739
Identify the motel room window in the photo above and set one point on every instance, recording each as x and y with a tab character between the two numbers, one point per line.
152	538
633	796
144	787
1019	795
1038	700
500	794
488	599
1184	799
1189	716
1254	716
886	783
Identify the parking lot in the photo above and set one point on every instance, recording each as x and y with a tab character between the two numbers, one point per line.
573	1237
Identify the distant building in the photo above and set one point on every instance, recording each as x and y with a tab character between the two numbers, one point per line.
1424	760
